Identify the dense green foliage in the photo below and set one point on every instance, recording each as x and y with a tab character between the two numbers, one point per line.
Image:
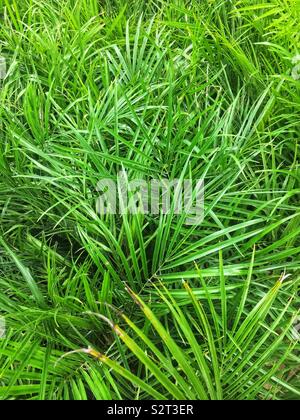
139	306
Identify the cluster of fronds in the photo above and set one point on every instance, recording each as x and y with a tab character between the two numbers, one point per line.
143	306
